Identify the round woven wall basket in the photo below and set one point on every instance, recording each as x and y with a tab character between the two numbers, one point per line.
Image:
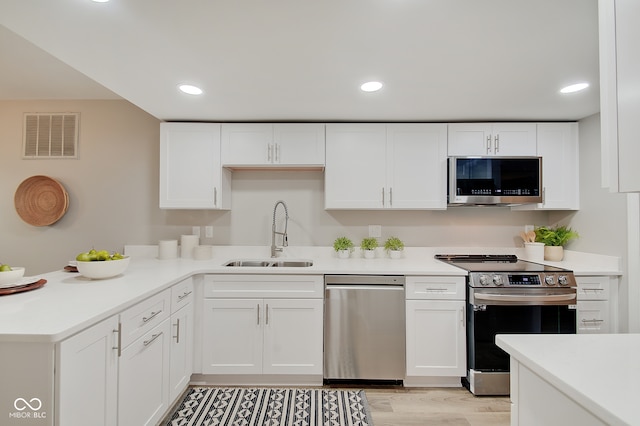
41	200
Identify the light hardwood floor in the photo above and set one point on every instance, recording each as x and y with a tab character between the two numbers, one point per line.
436	406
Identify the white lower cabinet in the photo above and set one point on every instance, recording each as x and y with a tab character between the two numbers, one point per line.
263	335
87	386
143	378
595	297
181	357
436	331
127	369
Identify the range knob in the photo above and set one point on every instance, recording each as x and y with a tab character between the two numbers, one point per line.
549	280
497	280
563	280
484	279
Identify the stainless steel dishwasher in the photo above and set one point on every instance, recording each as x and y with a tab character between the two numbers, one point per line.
364	333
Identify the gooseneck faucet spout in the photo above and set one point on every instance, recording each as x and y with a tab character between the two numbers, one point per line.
274	232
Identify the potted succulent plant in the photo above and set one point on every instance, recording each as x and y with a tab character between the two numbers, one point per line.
368	246
343	246
554	240
394	247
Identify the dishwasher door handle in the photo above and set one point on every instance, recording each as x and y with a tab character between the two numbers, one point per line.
366	287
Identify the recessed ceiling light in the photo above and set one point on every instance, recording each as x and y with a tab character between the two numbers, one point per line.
190	89
100	1
574	88
371	86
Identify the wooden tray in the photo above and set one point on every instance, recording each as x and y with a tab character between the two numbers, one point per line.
26	287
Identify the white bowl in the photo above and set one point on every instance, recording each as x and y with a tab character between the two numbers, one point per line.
15	274
99	269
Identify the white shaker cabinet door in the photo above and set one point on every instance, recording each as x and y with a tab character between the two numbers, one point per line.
232	336
436	338
181	350
417	166
88	377
354	175
191	174
143	378
299	144
293	336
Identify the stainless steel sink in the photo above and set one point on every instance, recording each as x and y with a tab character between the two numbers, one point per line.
274	263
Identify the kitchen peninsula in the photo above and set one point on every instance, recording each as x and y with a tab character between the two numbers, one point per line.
573	379
37	327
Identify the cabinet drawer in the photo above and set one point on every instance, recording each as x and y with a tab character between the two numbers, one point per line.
593	288
264	286
452	288
593	317
181	294
142	317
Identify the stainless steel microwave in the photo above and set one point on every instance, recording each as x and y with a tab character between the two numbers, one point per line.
494	180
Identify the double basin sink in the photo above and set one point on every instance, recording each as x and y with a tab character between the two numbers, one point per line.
270	263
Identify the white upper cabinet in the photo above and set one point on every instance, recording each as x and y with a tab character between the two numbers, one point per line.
619	104
558	147
500	139
273	145
386	166
191	175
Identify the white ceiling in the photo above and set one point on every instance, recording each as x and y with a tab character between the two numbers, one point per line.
303	60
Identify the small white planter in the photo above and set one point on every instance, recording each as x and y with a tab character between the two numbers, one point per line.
369	254
395	254
344	254
553	253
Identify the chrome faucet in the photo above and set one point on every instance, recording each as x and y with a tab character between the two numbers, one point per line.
285	241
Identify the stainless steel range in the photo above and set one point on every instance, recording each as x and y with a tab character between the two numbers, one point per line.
508	295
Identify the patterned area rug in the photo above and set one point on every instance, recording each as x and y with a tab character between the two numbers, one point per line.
273	407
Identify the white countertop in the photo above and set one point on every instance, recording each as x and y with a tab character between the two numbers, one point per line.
69	302
600	372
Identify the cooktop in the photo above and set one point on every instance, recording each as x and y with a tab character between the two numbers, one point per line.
495	263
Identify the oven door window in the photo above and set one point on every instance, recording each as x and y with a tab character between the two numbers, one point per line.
484	355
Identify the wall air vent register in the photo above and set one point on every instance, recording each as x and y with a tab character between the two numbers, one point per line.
50	135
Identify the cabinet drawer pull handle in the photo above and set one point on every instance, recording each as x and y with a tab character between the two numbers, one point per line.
497	144
489	144
150	341
435	290
177	336
269	150
277	156
215	196
258	316
390	196
383	196
183	295
594	320
266	313
119	342
462	317
151	316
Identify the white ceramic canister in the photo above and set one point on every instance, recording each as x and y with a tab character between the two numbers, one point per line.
202	252
187	244
534	251
167	249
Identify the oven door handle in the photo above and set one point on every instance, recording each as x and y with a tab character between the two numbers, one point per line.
525	298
